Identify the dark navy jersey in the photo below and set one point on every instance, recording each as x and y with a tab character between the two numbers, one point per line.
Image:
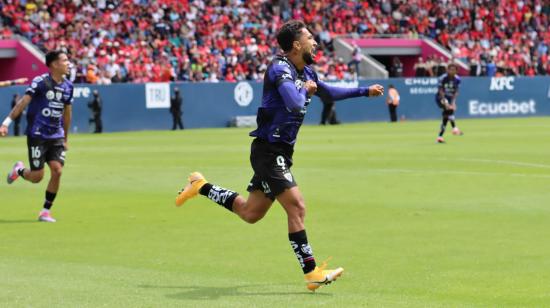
276	121
45	113
449	86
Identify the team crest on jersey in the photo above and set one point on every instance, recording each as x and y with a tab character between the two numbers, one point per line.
299	84
36	163
50	95
58	95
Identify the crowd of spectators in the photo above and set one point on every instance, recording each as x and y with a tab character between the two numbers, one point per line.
495	37
231	40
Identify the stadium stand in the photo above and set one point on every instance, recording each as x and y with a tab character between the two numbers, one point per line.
164	40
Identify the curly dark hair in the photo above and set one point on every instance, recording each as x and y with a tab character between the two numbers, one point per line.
289	32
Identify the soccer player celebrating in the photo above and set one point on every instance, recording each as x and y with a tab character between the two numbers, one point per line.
446	100
289	84
49	98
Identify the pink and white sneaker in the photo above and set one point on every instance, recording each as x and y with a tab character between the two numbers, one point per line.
13	175
45	216
457	132
440	140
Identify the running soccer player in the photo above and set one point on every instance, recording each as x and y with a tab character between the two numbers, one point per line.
289	83
49	98
446	100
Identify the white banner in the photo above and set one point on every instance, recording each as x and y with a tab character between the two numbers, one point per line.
157	95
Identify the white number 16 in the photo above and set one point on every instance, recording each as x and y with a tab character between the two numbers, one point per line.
35	152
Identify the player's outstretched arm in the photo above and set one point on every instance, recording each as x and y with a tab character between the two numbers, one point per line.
339	93
15	112
376	90
8	83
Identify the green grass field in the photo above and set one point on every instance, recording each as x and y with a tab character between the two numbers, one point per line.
414	223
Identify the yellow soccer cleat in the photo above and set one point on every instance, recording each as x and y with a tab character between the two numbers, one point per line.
320	276
196	182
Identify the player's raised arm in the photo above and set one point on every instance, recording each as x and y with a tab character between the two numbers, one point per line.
15	112
340	93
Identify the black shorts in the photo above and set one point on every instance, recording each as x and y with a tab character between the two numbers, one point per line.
45	150
447	112
271	163
444	112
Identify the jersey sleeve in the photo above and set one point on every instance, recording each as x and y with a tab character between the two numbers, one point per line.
339	93
293	98
35	87
280	73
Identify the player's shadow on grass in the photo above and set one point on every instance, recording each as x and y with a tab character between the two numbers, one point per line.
18	221
213	293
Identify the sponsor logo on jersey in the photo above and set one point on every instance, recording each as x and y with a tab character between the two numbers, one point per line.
54	104
53	113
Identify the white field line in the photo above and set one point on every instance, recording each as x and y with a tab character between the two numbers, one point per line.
499	162
424	172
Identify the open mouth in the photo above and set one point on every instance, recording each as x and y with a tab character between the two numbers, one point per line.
313	52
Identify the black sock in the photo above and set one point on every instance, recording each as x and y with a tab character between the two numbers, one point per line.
304	253
49	200
443	125
452	119
20	172
220	195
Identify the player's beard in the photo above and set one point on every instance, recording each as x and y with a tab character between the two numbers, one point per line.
308	58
